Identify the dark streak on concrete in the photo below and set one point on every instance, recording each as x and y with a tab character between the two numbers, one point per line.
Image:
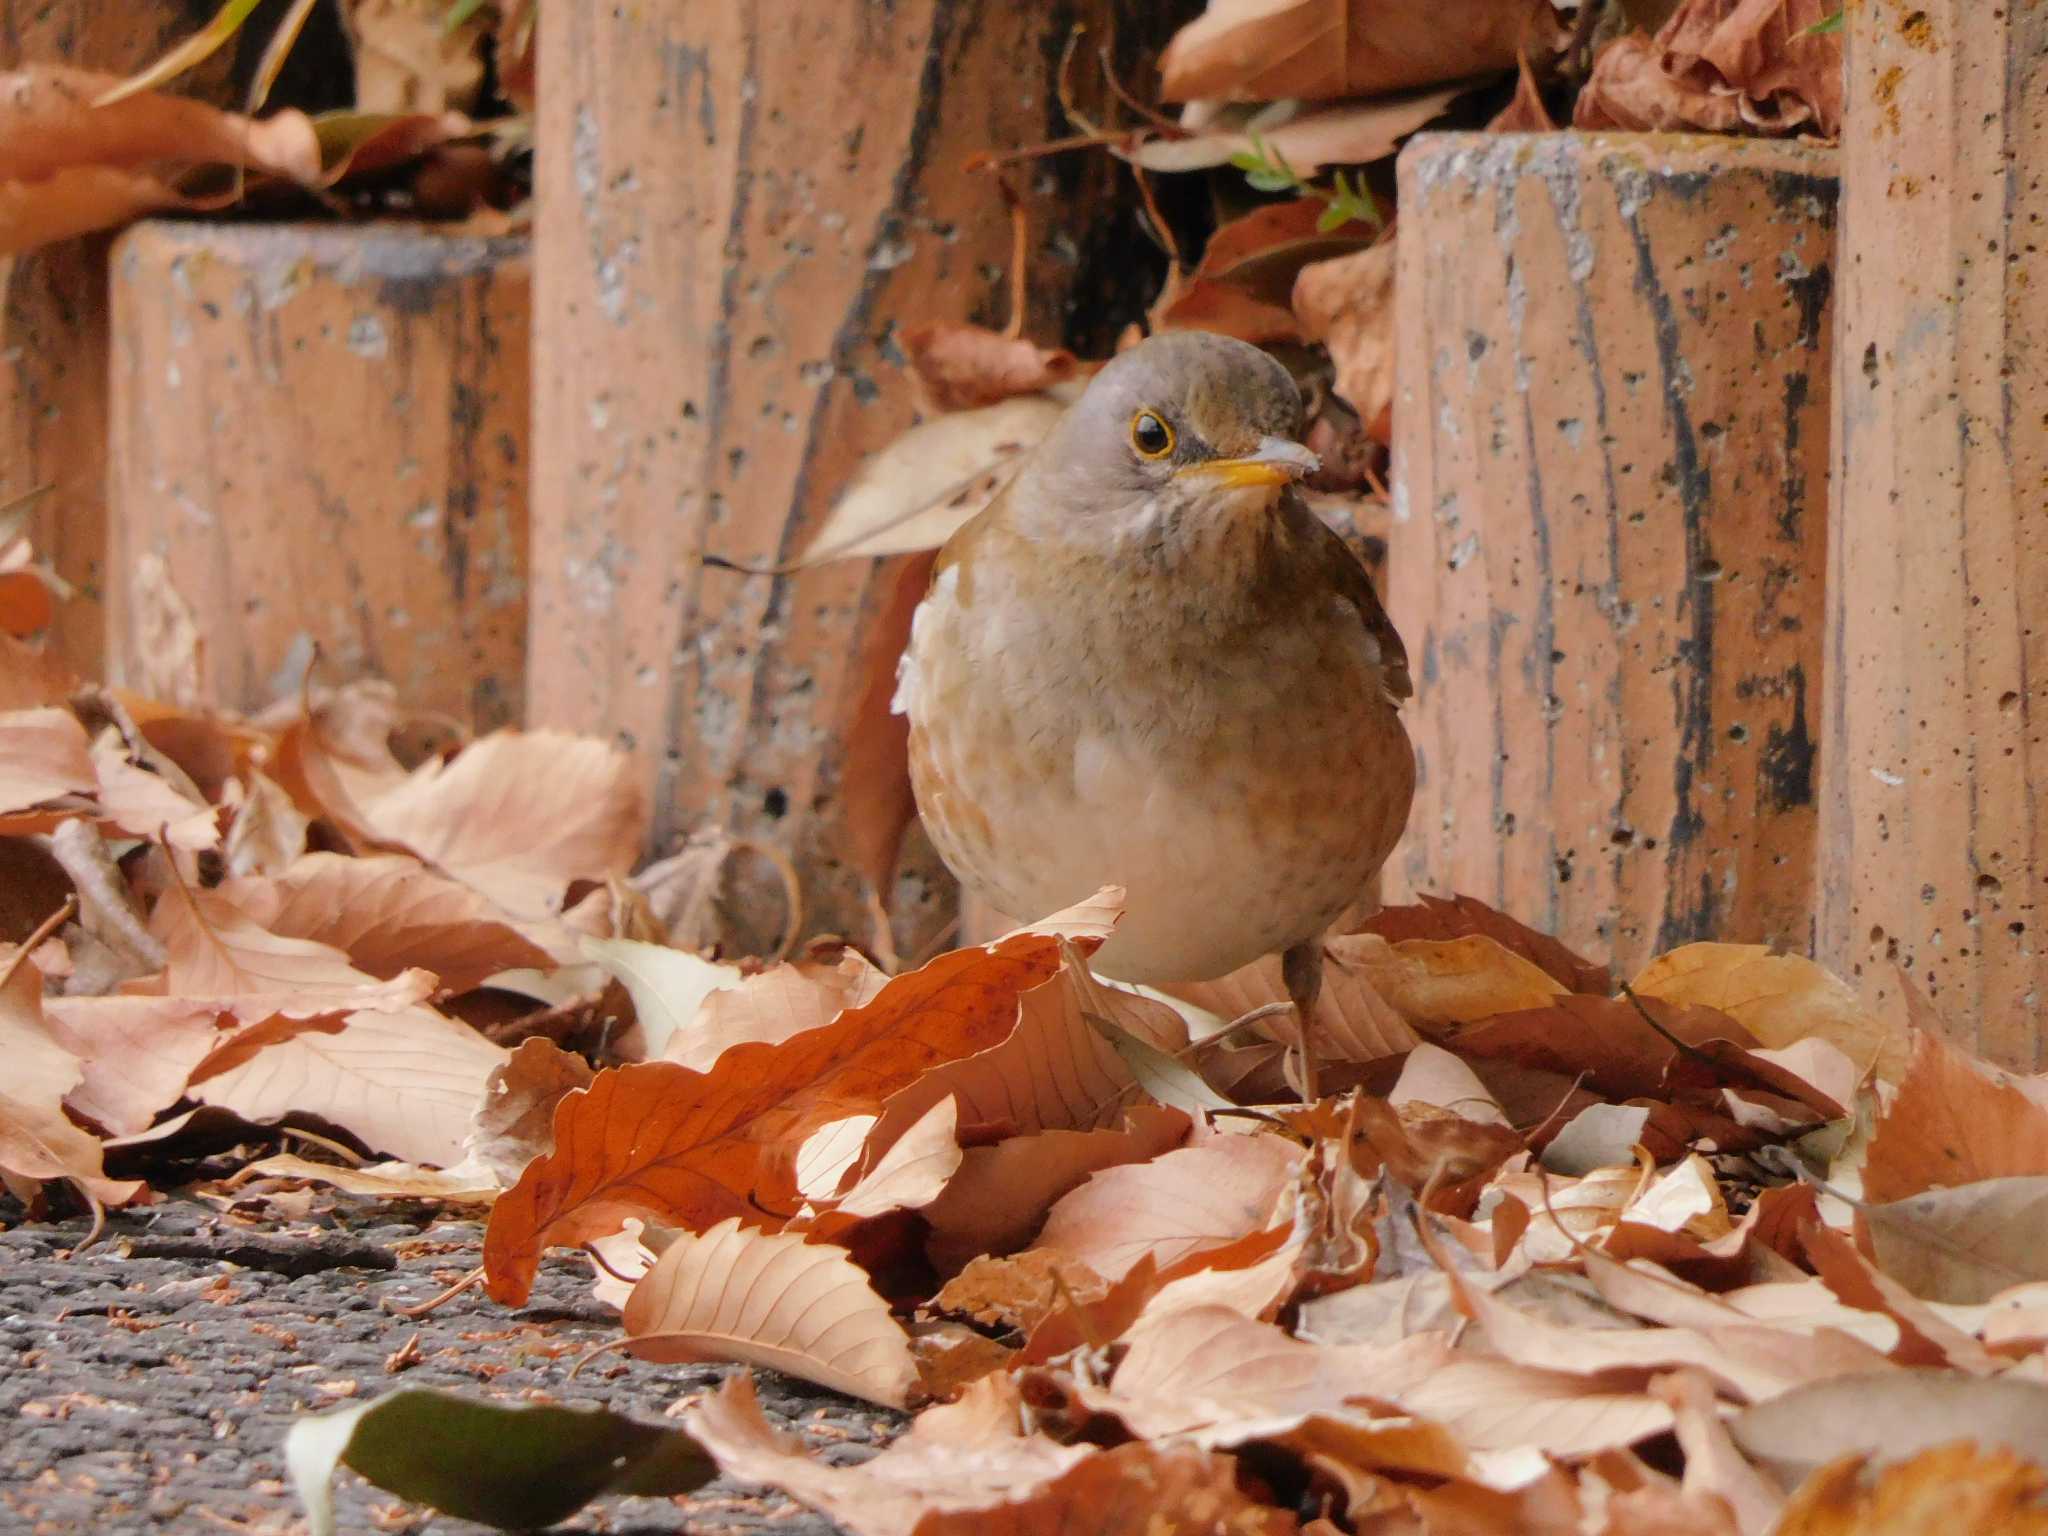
1692	683
1791	516
1784	767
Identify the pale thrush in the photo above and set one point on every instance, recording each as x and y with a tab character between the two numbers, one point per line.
1147	663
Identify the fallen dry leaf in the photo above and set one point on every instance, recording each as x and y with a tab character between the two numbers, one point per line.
1348	305
389	914
519	815
692	1148
1956	1487
409	59
1273	50
772	1005
1352	1022
135	1054
1952	1122
515	1119
1338	133
45	756
1892	1417
997	1200
916	493
37	1140
385	1181
965	367
1723	66
1780	999
405	1083
1967	1244
1248	270
1180	1204
967	1456
913	1172
774	1300
217	955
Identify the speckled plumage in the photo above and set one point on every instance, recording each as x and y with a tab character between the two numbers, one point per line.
1146	674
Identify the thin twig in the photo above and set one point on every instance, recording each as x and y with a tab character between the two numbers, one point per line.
474	1277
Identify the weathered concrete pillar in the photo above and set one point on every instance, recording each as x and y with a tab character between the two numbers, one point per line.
320	432
53	314
1935	752
1610	462
745	201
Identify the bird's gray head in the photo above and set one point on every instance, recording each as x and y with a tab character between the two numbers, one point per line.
1183	422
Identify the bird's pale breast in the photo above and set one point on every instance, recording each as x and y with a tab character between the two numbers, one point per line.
1244	787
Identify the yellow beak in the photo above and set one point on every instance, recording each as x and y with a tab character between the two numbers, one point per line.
1275	461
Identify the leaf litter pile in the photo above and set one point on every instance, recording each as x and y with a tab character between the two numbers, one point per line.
1712	1252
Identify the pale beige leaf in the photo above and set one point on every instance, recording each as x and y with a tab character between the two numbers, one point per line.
830	1154
135	1053
1343	133
1432	1075
217	955
1754	1363
1892	1416
774	1300
267	833
1202	1367
968	1455
1182	1203
999	1197
916	492
1967	1244
44	756
668	987
1499	1406
915	1169
387	1181
1353	1022
1255	1290
145	804
1713	1465
388	913
37	1139
519	816
1780	999
1598	1136
781	1001
405	1083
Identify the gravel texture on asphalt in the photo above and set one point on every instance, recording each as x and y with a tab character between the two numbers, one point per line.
146	1384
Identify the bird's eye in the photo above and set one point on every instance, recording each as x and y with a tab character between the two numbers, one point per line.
1150	435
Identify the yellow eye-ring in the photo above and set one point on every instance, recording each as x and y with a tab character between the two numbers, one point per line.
1150	435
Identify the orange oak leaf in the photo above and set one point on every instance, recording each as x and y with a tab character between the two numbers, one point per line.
693	1148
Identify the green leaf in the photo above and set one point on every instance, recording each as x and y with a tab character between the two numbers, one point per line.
1824	26
516	1468
208	40
1245	160
1332	217
668	986
1270	180
458	13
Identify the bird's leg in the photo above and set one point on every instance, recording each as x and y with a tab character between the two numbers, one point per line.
1301	969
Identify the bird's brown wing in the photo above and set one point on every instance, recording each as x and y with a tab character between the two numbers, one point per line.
1352	579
